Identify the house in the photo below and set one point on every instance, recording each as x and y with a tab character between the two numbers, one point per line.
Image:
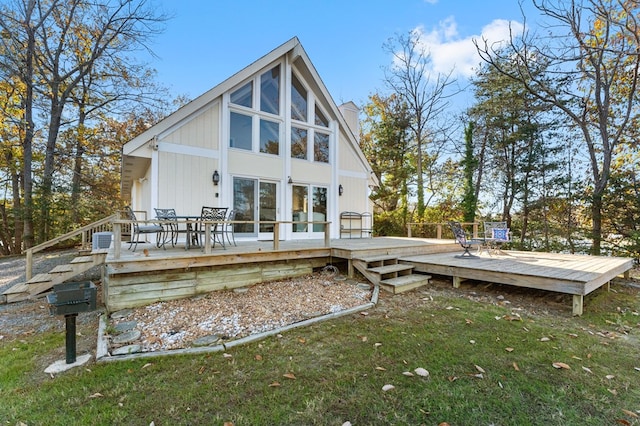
269	142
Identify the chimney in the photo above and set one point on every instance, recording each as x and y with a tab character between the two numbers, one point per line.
351	114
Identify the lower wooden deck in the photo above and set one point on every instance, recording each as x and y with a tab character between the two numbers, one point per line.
577	275
146	276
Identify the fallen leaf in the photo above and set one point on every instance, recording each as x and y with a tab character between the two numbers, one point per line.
408	373
386	388
302	340
364	338
480	369
452	378
289	376
478	376
515	366
147	365
443	424
636	368
573	335
274	385
226	355
381	369
613	392
509	349
473	342
96	395
630	413
545	339
609	376
258	357
623	422
227	424
587	369
468	321
364	314
560	365
202	369
377	344
421	372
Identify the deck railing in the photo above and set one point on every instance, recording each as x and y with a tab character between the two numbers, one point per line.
120	224
438	228
86	232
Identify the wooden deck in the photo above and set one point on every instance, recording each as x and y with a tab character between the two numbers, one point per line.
151	274
573	274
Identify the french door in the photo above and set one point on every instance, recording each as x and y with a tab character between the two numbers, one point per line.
309	205
255	200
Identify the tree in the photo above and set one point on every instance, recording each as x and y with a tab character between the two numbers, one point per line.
51	46
591	66
426	98
469	168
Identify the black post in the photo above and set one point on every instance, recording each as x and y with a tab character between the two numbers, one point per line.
71	337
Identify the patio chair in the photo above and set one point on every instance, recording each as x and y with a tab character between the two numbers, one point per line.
170	229
228	227
496	234
461	237
137	229
213	214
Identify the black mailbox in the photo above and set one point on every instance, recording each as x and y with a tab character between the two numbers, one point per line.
70	299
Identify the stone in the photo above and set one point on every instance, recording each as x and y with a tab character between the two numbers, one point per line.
240	290
364	286
125	326
61	365
126	350
206	340
122	313
127	337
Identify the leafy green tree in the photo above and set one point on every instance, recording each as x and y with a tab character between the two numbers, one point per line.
469	167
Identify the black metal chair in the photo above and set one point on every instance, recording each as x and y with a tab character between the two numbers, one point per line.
461	238
137	229
217	215
170	227
228	227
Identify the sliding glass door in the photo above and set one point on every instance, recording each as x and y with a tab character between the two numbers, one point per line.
255	200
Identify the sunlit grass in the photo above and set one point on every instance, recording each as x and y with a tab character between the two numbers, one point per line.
486	365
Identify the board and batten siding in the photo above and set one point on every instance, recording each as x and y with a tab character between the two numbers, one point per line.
245	163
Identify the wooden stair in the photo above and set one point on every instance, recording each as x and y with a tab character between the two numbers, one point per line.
40	283
391	276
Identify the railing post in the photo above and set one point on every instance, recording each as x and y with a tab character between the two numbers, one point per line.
117	239
207	237
408	230
439	231
327	234
276	235
29	271
475	230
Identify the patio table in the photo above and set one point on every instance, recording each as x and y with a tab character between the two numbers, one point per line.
191	239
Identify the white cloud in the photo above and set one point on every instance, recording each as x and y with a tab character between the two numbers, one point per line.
449	50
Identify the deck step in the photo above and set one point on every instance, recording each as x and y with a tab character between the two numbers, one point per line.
82	259
404	283
380	258
61	269
388	269
40	278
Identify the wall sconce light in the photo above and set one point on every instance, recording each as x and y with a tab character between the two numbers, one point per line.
216	178
340	190
289	181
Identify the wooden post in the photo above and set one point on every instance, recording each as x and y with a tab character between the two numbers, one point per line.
408	230
439	231
29	269
276	235
456	282
117	239
327	234
207	238
578	303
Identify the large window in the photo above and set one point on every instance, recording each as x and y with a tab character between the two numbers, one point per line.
321	147
298	100
244	114
303	204
298	143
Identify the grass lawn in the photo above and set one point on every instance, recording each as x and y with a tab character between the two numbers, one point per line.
487	364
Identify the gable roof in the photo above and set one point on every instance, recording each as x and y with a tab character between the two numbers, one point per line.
296	53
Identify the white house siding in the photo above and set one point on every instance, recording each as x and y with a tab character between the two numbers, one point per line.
245	163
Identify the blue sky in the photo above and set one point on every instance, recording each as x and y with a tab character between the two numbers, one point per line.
206	41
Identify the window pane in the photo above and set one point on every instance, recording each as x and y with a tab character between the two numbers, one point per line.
242	96
298	100
300	207
268	205
321	147
240	131
270	91
319	208
321	120
269	137
244	204
298	143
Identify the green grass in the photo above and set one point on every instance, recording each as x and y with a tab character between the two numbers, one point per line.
336	371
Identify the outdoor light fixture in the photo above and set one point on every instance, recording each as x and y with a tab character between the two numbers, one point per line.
290	181
216	178
340	189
